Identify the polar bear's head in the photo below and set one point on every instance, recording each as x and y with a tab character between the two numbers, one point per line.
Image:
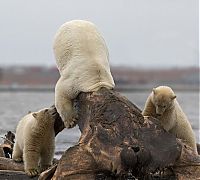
162	98
43	116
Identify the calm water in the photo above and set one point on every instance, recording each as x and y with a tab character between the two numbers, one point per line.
15	105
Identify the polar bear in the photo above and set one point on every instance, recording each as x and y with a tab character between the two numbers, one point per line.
163	105
35	141
82	60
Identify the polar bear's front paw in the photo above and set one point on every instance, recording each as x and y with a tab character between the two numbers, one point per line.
71	121
147	121
32	172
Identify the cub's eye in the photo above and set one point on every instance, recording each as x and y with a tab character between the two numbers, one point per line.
164	106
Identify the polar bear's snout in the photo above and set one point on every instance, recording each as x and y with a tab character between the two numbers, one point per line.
159	110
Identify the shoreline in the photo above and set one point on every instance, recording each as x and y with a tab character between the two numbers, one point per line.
122	88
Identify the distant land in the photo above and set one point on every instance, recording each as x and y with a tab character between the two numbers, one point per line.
126	78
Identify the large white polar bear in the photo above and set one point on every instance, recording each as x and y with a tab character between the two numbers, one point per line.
82	59
35	141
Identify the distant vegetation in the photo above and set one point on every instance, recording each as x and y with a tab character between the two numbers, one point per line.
37	76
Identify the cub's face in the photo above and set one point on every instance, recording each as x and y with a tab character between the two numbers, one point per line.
162	101
42	115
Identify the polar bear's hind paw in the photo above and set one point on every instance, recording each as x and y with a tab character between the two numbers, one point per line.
71	121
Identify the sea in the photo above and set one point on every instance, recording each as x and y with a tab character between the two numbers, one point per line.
15	104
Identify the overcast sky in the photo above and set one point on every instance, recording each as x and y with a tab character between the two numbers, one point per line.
138	33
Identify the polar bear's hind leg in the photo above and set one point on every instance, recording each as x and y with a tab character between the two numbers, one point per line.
64	105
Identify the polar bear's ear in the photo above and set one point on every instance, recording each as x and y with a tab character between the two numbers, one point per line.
34	115
154	90
173	97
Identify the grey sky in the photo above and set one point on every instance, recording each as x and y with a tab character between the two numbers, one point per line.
139	33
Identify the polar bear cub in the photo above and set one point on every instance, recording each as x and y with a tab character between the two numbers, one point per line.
163	105
82	59
35	141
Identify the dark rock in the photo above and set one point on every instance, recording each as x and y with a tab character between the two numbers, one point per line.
116	142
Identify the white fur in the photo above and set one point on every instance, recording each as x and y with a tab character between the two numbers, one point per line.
82	59
35	141
163	101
